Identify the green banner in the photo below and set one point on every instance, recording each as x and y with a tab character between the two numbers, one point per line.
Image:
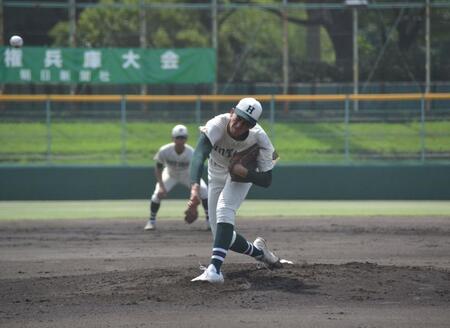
107	66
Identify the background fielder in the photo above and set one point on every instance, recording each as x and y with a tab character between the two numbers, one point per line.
172	168
221	138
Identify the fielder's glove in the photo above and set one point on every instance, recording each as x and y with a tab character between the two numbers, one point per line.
191	213
246	158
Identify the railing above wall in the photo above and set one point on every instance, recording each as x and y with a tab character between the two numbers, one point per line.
393	127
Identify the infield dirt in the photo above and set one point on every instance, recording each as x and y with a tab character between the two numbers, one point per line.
348	272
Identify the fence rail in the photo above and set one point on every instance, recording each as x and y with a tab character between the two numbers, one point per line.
128	129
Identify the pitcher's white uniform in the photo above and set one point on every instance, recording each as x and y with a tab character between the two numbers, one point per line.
221	138
176	169
225	196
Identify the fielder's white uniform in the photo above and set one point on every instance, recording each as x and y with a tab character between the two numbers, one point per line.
176	169
226	196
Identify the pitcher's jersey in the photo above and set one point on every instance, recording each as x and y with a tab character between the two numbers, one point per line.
176	164
224	146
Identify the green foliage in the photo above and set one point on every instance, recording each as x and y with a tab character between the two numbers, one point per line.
250	40
116	26
250	46
60	34
391	41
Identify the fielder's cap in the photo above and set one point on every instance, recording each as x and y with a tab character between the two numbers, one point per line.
249	109
179	131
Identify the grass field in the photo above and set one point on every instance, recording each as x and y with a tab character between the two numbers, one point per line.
172	209
105	143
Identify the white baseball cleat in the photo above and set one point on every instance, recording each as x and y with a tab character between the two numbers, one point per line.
210	275
150	225
267	257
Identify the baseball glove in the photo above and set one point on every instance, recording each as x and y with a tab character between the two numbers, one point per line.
246	158
191	213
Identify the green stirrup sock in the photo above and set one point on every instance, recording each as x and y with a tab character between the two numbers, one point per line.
242	246
222	241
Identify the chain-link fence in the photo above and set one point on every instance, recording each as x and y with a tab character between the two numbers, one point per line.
285	47
281	43
128	130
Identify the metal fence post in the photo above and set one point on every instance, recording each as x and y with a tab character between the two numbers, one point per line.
198	107
422	129
272	119
123	124
48	122
347	129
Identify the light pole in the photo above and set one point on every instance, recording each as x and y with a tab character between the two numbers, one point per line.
355	5
72	33
427	48
285	49
214	40
143	34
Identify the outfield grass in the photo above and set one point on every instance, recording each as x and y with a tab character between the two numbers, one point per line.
104	143
172	209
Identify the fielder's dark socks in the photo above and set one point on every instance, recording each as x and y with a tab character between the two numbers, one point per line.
241	245
205	207
222	241
154	207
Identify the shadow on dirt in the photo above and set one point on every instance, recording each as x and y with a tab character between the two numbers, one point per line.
261	279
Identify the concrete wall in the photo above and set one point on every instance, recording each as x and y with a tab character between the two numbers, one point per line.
290	182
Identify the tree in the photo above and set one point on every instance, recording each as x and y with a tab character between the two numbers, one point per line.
391	41
112	26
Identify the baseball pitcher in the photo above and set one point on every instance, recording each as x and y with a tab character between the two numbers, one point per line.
240	154
172	167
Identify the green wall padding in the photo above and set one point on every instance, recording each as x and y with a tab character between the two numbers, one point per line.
408	182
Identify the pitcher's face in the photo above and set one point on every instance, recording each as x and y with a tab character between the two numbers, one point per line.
237	125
